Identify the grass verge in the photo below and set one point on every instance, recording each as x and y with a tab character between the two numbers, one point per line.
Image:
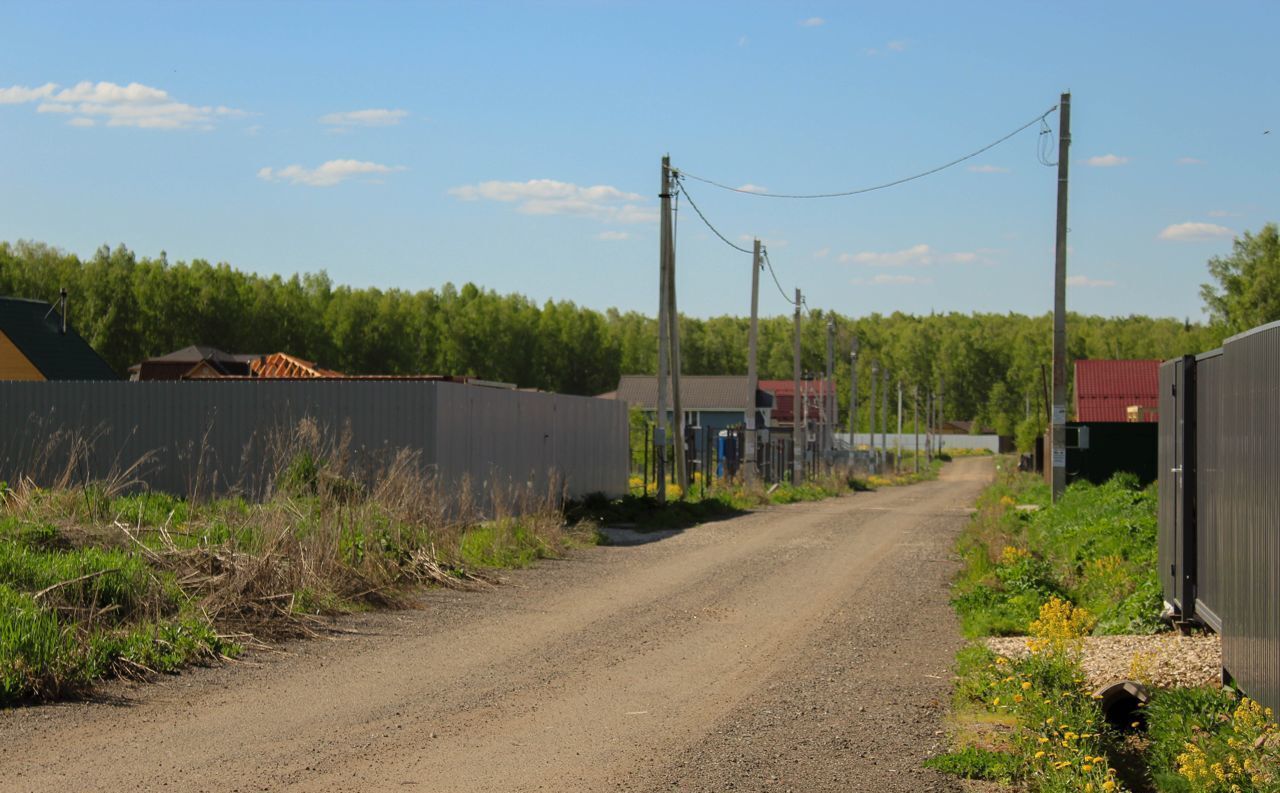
96	582
1096	547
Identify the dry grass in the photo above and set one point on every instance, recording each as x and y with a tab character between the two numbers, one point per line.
329	533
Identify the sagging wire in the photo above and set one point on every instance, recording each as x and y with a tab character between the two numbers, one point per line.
1038	119
681	189
1045	144
764	251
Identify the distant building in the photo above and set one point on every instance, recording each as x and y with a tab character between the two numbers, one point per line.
37	344
196	362
713	402
812	393
1117	390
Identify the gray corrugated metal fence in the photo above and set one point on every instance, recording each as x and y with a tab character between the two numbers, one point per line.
1228	453
203	437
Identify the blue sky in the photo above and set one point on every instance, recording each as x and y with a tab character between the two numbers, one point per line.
517	145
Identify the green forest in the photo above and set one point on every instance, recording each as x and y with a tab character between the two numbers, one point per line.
989	365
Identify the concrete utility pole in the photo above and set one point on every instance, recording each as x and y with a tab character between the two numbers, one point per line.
853	395
884	419
942	416
664	241
1059	417
673	322
871	425
915	421
797	408
829	397
928	422
753	376
897	444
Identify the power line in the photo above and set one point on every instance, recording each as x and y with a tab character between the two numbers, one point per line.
861	190
765	253
714	230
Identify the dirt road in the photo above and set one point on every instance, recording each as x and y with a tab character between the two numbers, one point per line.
803	648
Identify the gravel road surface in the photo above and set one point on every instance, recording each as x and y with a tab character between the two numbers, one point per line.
803	648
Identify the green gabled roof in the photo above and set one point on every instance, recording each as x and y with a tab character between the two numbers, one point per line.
35	328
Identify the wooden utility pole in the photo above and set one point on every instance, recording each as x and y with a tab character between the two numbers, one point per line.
753	375
664	241
871	424
829	398
673	323
797	407
1059	417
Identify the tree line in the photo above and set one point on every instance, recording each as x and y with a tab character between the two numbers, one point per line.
989	366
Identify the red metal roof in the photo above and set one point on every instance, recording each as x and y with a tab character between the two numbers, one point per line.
1105	390
784	398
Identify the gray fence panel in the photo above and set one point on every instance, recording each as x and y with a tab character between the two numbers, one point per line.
1168	465
1211	483
199	437
1250	560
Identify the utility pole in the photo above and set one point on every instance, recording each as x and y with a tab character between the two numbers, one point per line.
915	421
673	322
664	241
897	444
929	428
829	396
942	416
871	426
853	396
1059	445
753	381
797	408
884	419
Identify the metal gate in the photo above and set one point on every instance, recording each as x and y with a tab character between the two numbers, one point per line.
1177	548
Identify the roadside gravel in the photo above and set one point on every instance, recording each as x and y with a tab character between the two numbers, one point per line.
1164	660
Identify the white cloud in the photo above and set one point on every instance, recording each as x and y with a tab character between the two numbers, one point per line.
614	236
21	94
821	253
1107	161
132	105
1084	280
1220	213
752	188
374	117
884	279
1189	161
552	197
1194	232
812	22
743	41
328	174
896	46
82	122
920	255
988	169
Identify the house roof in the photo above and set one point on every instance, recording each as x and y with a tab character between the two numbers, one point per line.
697	392
784	394
283	365
1104	390
35	328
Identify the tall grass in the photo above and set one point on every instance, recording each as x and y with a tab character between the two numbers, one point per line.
1095	547
103	578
